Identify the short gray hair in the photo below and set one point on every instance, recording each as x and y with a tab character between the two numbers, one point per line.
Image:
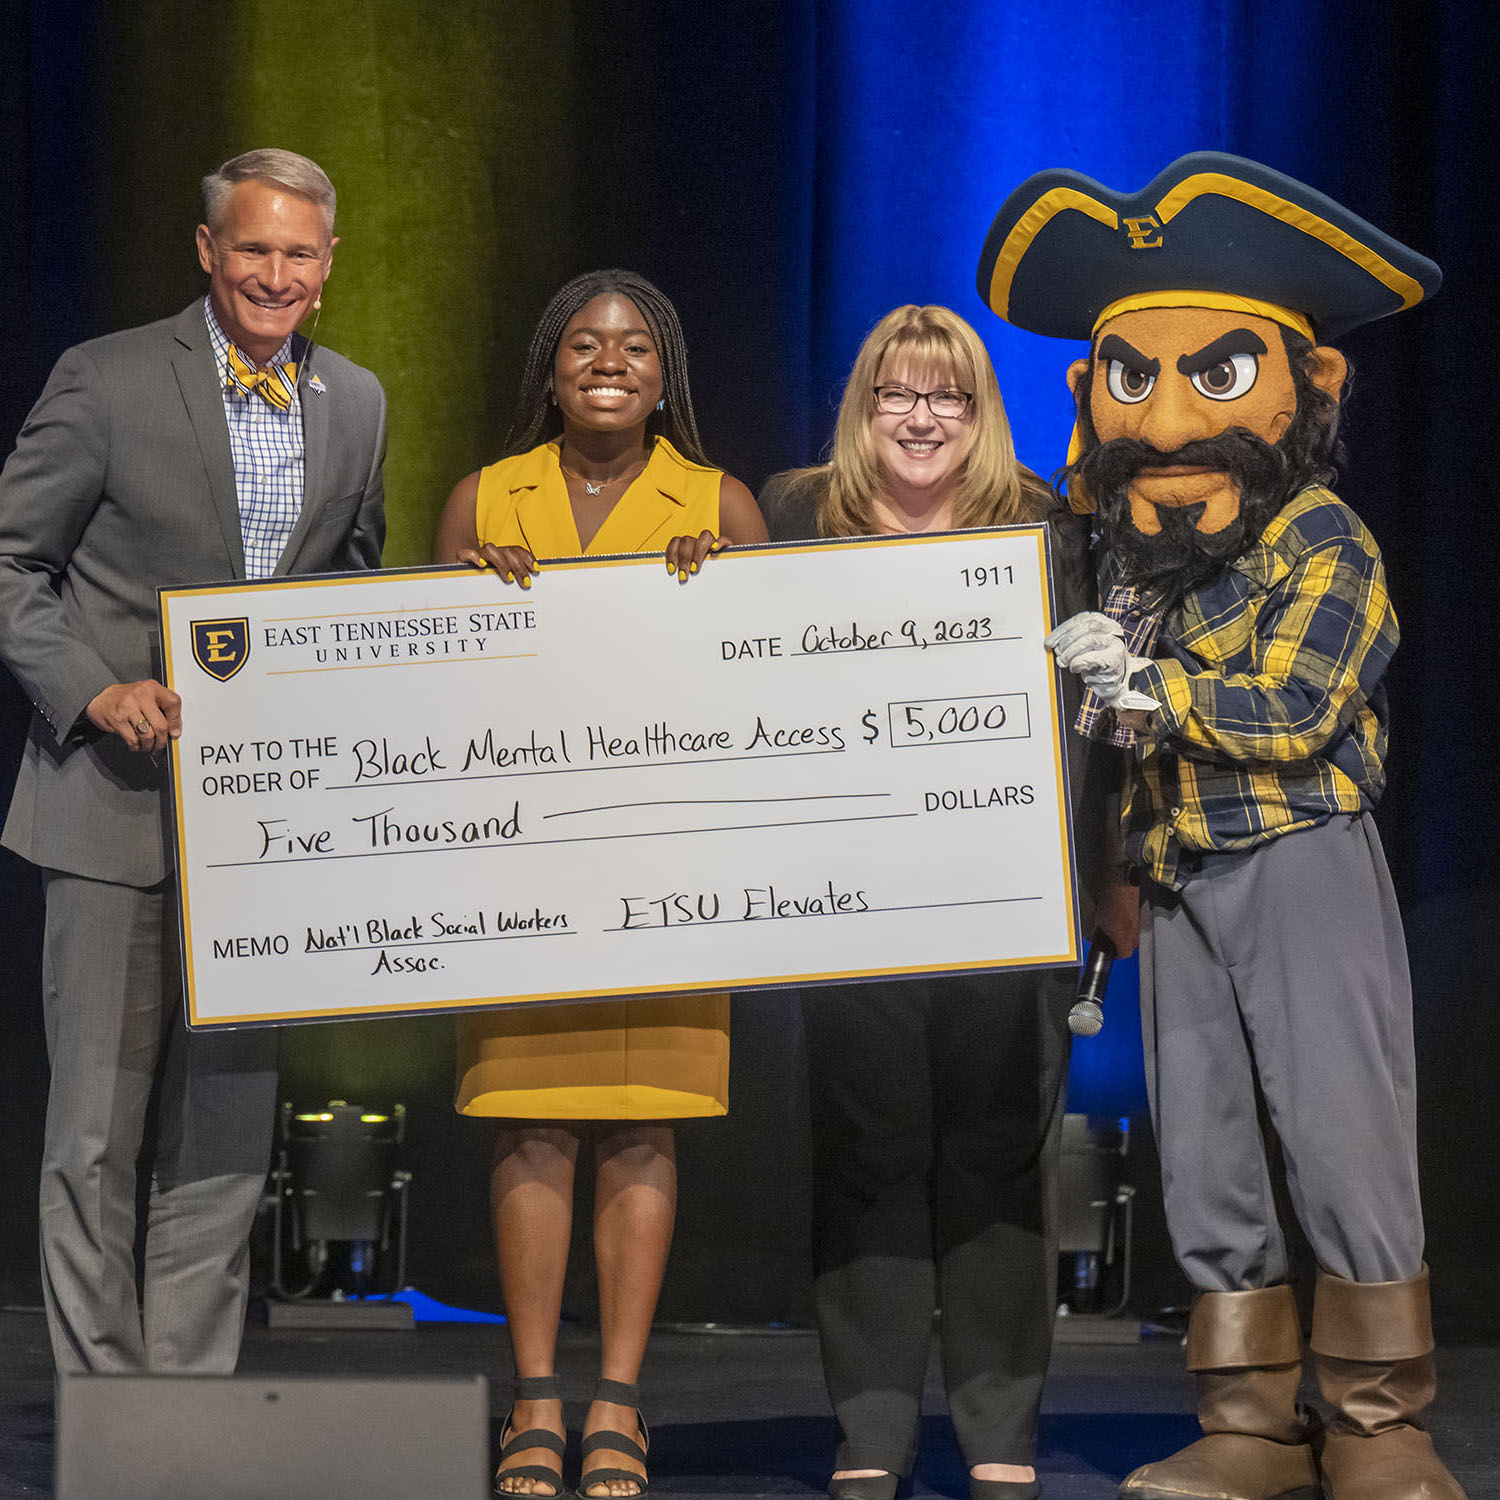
297	174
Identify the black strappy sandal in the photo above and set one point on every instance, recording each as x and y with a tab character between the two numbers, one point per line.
619	1394
531	1388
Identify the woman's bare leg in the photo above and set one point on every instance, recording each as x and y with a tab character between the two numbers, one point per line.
635	1205
531	1200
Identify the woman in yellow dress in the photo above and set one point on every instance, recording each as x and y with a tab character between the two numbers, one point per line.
603	457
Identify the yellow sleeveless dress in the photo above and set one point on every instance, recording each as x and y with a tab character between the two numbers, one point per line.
653	1059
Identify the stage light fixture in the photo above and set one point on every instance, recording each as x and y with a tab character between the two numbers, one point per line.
339	1203
1095	1215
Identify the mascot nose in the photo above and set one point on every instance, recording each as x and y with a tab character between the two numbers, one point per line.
1174	414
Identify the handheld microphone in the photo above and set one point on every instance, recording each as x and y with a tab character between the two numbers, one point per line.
1087	1015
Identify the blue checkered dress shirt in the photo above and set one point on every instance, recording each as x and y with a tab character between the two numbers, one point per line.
266	446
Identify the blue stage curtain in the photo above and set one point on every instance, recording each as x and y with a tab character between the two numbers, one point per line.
790	169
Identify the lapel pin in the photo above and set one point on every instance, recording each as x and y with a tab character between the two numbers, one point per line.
315	382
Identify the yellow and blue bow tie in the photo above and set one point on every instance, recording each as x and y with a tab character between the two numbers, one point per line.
275	384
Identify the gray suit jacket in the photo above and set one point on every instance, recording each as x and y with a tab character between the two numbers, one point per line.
121	482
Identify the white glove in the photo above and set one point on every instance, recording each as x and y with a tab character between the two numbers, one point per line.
1092	646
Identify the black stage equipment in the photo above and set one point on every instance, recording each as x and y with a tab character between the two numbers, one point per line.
339	1217
1095	1229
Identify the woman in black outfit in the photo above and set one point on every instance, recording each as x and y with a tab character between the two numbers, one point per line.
936	1104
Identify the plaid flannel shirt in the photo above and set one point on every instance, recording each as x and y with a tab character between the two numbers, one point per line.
1097	720
1271	683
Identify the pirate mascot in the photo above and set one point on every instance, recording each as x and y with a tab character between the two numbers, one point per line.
1242	651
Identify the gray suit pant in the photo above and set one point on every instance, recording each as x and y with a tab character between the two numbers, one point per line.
1285	965
121	1055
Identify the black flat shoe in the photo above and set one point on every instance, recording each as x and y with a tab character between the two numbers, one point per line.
864	1487
531	1388
1003	1489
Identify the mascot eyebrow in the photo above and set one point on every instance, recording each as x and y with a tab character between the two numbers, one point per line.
1226	346
1113	347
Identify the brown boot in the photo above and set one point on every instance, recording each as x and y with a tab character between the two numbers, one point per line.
1246	1351
1373	1342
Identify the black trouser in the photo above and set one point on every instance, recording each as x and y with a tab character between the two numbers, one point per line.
937	1110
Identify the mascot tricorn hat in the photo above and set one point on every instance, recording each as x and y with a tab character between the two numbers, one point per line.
1065	253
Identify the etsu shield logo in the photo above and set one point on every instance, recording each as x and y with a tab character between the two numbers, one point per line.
221	647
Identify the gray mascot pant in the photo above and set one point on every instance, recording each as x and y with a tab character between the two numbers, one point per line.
1284	963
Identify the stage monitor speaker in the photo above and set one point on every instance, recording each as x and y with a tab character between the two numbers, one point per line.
254	1437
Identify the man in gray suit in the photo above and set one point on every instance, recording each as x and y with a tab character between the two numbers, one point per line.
209	446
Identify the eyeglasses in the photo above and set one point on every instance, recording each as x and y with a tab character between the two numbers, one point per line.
897	400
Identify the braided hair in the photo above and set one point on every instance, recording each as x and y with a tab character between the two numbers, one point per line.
537	418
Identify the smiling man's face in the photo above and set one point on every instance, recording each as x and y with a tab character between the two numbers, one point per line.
267	259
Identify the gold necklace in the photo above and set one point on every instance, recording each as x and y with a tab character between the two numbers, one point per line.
590	488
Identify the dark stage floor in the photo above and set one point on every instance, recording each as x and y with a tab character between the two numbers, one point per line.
745	1414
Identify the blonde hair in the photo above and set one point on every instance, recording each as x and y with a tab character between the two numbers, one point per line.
993	488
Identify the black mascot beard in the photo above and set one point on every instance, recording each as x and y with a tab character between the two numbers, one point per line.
1167	564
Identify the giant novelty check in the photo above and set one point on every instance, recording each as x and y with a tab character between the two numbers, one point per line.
420	790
